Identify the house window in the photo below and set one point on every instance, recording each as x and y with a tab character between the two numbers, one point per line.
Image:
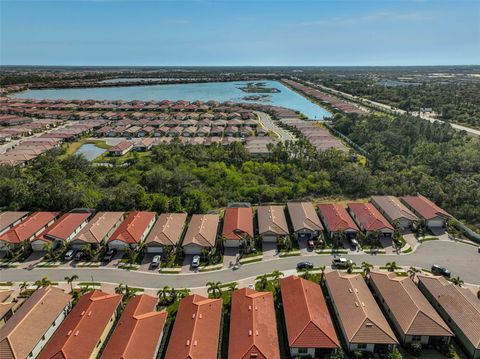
302	350
361	346
416	338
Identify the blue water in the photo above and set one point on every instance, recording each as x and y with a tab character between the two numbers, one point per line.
128	79
90	151
219	91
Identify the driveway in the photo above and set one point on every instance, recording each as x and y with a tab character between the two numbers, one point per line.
230	256
270	125
269	250
145	266
461	259
32	260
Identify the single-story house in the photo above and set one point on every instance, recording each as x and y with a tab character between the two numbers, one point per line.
272	223
305	221
459	307
121	149
337	221
98	230
10	219
201	233
362	324
62	230
310	329
237	225
253	326
412	316
425	209
28	229
139	331
394	211
370	220
132	231
27	332
86	327
196	330
167	231
144	144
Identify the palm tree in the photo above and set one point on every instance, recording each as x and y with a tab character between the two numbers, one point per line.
262	284
276	275
165	294
350	266
322	274
119	289
233	286
457	281
306	274
214	288
48	247
366	268
412	272
70	281
181	293
392	266
42	283
23	287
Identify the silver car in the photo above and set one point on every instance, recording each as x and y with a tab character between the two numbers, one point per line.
196	261
156	261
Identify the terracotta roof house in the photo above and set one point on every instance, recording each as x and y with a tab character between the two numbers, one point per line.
271	222
6	306
253	326
369	219
33	324
98	230
85	328
305	221
201	233
309	326
459	307
363	326
237	225
63	230
10	219
337	221
196	330
36	223
121	149
394	210
133	230
425	209
167	231
138	332
412	316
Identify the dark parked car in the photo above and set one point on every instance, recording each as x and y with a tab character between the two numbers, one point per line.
305	265
79	255
439	270
109	255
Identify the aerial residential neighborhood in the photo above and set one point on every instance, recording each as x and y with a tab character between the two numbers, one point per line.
239	179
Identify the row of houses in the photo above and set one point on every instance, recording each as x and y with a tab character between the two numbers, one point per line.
392	311
320	138
120	231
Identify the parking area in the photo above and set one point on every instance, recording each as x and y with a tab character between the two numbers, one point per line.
146	266
230	257
115	261
304	249
32	260
187	264
269	250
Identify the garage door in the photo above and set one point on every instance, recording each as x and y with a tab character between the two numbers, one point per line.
435	223
270	238
192	249
38	245
155	249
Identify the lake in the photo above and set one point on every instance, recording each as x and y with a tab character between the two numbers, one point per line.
219	91
90	151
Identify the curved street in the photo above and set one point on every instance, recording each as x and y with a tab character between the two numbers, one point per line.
463	260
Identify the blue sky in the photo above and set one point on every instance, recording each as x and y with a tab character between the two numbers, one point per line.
229	32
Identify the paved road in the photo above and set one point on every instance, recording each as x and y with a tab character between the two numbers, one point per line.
270	125
383	107
462	259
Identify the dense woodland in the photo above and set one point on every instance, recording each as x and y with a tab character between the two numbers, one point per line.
405	156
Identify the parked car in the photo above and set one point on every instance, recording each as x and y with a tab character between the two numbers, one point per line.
439	270
353	242
304	265
340	262
70	254
196	261
311	245
79	255
156	261
109	255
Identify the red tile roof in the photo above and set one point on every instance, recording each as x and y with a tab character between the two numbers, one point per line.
237	223
308	321
253	327
196	331
423	206
133	227
138	332
64	226
24	230
336	217
369	217
78	335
